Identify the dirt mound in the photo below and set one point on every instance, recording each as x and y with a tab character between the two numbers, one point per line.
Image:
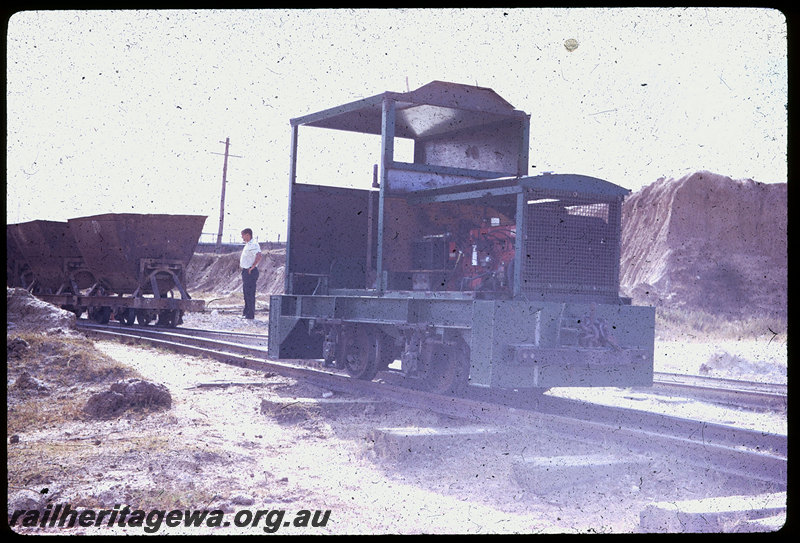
26	382
124	395
24	312
706	241
220	273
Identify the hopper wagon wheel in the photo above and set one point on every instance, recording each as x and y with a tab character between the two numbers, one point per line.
169	318
445	368
362	352
144	317
76	310
127	315
100	315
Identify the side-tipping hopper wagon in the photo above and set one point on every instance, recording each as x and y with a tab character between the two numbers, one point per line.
139	262
18	271
48	250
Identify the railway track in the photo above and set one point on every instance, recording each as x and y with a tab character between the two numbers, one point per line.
735	451
729	392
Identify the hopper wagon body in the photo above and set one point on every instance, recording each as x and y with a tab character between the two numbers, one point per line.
121	265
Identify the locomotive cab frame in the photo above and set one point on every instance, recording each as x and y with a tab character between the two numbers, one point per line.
457	268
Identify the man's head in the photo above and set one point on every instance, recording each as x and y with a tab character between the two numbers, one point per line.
247	234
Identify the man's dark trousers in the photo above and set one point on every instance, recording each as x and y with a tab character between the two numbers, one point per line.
249	287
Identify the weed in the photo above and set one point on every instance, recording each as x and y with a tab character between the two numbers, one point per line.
171	497
290	412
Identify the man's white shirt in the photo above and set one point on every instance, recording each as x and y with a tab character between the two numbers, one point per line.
248	257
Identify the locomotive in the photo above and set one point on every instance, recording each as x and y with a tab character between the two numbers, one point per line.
458	268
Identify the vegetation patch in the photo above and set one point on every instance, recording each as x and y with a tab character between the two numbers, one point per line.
680	324
62	361
46	379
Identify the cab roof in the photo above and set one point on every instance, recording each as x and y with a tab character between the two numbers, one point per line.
436	108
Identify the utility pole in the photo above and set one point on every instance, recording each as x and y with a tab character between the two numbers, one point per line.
227	143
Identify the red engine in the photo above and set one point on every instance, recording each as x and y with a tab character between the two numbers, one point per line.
471	259
484	260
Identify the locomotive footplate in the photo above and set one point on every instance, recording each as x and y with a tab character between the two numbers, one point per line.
577	366
589	356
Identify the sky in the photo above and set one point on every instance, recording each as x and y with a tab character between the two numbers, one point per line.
128	111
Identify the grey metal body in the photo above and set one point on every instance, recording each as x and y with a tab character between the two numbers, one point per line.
459	251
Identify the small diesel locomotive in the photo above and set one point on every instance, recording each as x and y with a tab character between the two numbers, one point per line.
457	269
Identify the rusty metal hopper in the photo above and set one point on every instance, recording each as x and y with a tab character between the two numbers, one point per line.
119	247
50	250
15	261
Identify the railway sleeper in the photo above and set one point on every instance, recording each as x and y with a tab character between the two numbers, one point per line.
545	475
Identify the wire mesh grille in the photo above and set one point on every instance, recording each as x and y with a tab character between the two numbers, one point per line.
570	248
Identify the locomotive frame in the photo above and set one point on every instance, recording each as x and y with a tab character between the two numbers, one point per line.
458	268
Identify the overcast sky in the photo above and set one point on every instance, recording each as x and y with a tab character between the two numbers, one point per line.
128	111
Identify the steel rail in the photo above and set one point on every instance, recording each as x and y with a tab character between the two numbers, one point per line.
742	452
245	338
730	392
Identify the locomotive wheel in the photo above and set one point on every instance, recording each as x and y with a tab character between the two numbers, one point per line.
445	369
363	353
389	353
144	317
100	315
127	316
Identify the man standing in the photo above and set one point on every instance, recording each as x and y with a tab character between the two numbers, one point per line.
248	261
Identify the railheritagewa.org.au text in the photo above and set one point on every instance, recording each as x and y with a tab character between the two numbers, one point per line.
268	520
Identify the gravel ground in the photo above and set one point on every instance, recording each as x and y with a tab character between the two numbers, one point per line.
760	360
259	446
